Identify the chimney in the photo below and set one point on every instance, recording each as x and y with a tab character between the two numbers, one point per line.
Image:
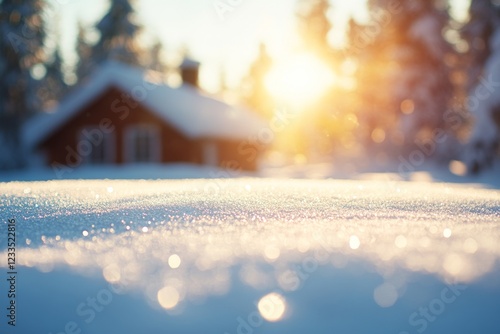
190	70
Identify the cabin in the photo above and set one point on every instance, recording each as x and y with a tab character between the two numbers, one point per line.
126	115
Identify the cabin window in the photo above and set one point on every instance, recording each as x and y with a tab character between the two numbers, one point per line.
142	144
96	147
210	154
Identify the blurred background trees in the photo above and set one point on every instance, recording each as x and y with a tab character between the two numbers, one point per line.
410	81
425	86
22	36
254	91
404	74
482	34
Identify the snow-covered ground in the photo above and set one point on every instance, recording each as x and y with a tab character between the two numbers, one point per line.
252	256
361	170
125	172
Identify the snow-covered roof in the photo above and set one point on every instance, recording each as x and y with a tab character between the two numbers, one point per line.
194	114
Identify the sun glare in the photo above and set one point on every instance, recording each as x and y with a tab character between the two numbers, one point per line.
299	80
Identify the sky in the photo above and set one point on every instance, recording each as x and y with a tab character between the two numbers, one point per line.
222	41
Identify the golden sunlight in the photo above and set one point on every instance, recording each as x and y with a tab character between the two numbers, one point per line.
300	80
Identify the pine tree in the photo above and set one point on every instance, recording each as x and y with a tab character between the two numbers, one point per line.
118	35
314	25
255	91
54	87
156	61
370	50
484	17
425	77
482	32
418	77
84	52
223	88
21	41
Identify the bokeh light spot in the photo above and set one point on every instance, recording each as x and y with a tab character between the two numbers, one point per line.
407	107
470	246
447	233
168	297
378	135
112	273
385	295
400	241
272	307
174	261
354	242
458	168
272	252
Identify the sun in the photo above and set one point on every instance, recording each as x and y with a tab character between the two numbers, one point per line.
299	80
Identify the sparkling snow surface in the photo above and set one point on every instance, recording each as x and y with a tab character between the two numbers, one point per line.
254	256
